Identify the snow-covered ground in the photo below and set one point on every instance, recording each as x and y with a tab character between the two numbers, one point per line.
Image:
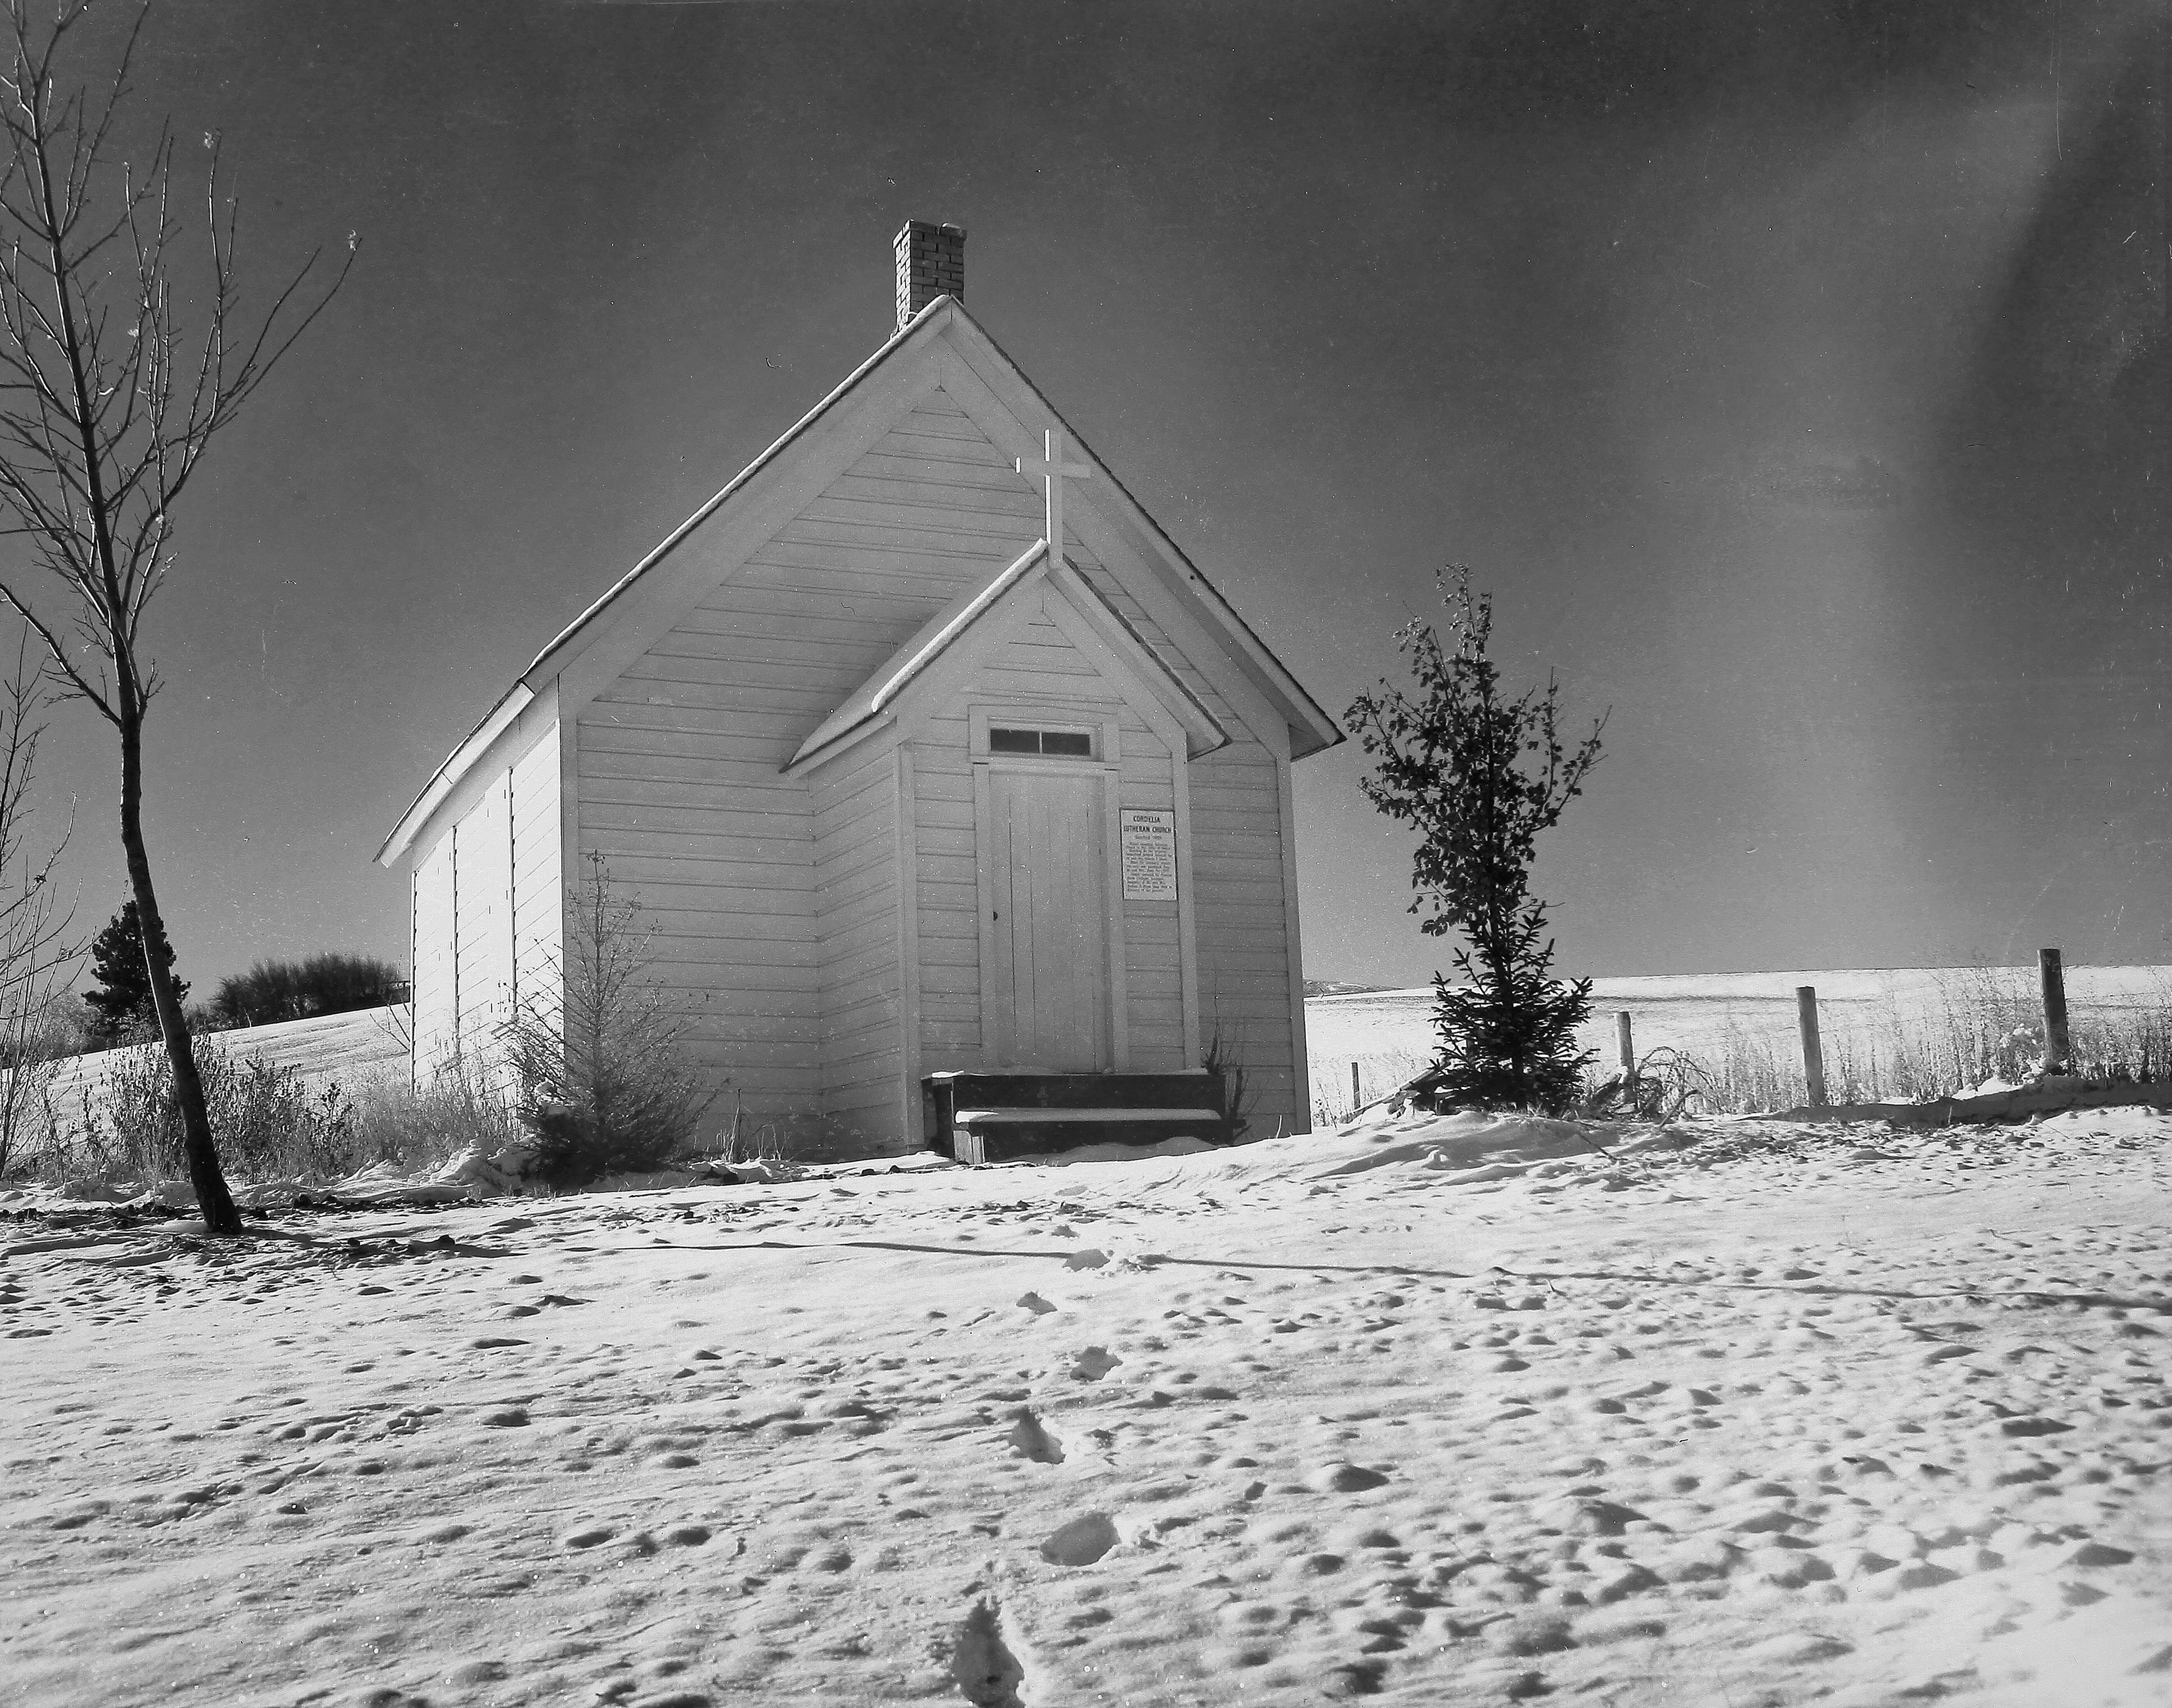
1449	1410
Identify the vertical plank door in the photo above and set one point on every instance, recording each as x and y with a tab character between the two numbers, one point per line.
1050	975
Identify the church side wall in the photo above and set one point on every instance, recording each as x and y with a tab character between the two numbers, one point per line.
1241	924
483	920
856	897
432	967
538	876
692	821
487	905
947	887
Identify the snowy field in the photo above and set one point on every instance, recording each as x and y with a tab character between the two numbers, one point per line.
344	1049
1451	1412
1382	1030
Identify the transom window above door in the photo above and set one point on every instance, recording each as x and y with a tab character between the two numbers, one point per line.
1073	734
1050	744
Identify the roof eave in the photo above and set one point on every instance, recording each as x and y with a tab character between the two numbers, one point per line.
447	777
901	666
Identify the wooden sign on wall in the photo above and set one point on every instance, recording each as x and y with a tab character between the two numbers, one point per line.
1149	854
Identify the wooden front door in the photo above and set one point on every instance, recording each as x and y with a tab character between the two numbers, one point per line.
1047	990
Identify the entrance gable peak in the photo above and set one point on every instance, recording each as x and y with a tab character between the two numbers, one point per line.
922	671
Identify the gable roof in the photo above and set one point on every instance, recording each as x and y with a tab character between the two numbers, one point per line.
1311	728
868	707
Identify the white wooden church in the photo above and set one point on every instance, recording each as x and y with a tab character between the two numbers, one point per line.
936	825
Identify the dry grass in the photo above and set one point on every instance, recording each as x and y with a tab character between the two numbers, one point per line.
271	1123
417	1131
1975	1024
1985	1023
1378	1075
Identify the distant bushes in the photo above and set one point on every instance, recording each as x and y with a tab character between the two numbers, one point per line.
326	984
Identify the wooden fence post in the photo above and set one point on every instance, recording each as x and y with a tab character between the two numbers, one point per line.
1814	1060
1628	1044
2058	1049
1357	1102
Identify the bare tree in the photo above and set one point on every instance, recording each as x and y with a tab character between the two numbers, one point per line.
34	948
107	406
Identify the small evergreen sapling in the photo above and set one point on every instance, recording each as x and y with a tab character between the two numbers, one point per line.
605	1082
121	1004
1480	775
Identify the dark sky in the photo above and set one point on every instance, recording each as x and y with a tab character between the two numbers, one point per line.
1796	375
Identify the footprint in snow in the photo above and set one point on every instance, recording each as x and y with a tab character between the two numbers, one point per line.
986	1673
1030	1439
1353	1678
1345	1478
1081	1542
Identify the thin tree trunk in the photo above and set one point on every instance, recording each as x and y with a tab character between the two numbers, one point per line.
212	1199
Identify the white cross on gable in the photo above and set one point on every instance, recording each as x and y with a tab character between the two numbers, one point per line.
1053	470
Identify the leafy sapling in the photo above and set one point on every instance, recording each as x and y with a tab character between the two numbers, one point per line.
1479	774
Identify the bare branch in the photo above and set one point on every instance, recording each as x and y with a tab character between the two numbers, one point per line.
78	686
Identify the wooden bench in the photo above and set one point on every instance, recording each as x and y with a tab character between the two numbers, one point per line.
993	1117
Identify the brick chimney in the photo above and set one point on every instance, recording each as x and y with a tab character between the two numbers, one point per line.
930	263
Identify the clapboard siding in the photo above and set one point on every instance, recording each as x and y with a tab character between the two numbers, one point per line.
684	801
769	938
656	775
856	889
539	879
702	845
745	603
949	897
703	726
435	970
488	907
483	922
1240	922
680	871
1153	980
